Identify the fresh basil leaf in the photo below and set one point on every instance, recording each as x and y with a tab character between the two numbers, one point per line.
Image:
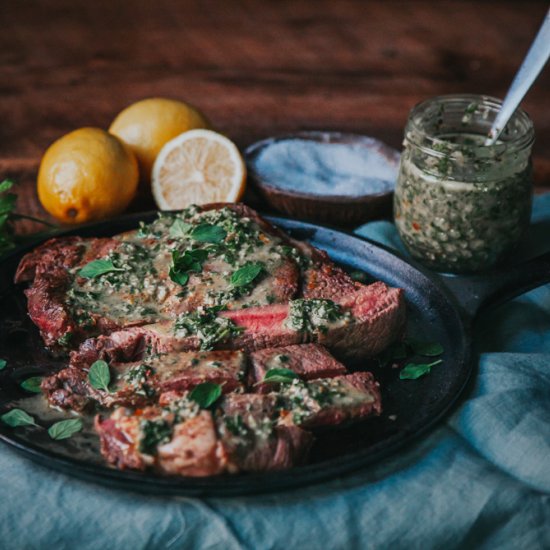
6	185
179	228
97	268
65	428
99	376
190	260
7	203
17	417
3	364
208	233
412	371
206	394
428	349
3	219
32	384
279	376
180	277
246	274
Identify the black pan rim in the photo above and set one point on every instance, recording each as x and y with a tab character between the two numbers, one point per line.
246	484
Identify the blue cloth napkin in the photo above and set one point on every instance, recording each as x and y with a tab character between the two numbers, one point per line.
481	479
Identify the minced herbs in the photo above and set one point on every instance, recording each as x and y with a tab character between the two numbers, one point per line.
313	315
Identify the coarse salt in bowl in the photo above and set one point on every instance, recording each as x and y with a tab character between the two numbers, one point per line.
328	177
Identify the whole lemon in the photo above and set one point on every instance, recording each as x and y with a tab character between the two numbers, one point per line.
147	125
87	175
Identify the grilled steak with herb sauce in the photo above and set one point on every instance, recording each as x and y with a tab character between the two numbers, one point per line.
154	302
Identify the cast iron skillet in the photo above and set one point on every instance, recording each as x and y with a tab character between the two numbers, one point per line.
438	311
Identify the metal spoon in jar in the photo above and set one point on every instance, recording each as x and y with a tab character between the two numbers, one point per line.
534	61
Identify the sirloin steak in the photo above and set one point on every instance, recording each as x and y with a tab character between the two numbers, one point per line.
209	299
217	276
141	383
181	439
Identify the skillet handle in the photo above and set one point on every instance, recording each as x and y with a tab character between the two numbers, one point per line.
477	292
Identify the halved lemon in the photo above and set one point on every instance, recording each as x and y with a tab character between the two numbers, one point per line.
198	167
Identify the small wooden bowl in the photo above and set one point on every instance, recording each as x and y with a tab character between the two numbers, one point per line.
323	208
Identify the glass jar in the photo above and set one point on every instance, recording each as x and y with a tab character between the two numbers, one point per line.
461	206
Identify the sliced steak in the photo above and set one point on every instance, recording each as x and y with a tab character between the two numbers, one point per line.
325	280
183	371
252	438
67	307
308	361
157	438
119	439
330	401
179	439
67	389
63	252
373	317
194	449
380	316
50	269
140	383
376	318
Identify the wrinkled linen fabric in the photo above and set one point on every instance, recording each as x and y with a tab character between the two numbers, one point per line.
479	480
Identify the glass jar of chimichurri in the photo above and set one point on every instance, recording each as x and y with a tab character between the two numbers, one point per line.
460	205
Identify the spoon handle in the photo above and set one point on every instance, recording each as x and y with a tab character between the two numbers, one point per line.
533	63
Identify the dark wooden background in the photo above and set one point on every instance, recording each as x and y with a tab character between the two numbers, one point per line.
256	68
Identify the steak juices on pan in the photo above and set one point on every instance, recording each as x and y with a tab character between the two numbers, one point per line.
217	329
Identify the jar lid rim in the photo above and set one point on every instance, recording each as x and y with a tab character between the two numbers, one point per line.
420	138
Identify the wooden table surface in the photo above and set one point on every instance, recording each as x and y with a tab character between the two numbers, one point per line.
255	68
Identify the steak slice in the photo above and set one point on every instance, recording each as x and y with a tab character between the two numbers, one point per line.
376	318
67	306
330	401
308	361
50	268
253	440
158	438
139	383
180	439
62	252
325	280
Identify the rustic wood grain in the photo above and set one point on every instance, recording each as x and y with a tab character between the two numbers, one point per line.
256	68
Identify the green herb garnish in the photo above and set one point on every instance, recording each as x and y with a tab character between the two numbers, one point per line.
32	384
246	274
183	264
99	376
65	428
310	315
8	239
137	377
154	433
412	371
180	277
65	340
208	233
206	326
428	349
179	228
279	376
97	268
3	364
236	425
17	417
206	394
